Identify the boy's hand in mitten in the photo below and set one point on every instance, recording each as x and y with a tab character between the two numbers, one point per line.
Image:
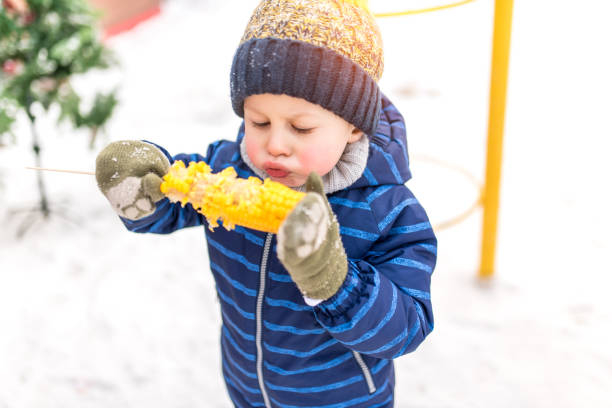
129	175
309	244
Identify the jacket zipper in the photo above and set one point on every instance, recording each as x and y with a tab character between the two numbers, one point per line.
259	318
366	372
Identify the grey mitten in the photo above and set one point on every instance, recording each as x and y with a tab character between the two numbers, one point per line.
309	244
129	174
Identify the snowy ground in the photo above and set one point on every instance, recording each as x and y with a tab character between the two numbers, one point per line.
93	316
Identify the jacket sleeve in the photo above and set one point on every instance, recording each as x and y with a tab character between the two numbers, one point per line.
383	308
169	217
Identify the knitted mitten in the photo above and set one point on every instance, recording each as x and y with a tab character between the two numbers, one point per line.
129	175
309	244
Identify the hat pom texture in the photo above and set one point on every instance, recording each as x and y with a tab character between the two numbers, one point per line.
328	52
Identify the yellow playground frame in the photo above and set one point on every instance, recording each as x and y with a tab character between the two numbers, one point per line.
489	198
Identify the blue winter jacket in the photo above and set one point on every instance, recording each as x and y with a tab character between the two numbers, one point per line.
279	352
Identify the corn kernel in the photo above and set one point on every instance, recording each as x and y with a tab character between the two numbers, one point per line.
234	201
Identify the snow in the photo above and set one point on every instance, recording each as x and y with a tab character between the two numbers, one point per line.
94	316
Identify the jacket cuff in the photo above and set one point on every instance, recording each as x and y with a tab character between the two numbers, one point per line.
356	288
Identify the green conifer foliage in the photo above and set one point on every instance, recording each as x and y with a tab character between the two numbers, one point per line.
43	43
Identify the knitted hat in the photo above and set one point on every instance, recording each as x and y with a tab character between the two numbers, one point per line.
328	52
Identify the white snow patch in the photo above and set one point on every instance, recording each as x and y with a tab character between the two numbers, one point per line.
144	204
124	193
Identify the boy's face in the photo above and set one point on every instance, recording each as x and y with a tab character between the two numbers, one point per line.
289	137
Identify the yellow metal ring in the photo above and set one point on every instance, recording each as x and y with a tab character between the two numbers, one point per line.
421	11
467	212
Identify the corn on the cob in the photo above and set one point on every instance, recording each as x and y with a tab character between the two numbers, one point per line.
222	196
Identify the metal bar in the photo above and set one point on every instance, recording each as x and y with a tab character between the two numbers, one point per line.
497	108
421	11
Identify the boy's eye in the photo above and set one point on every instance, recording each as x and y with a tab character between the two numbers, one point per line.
302	130
260	124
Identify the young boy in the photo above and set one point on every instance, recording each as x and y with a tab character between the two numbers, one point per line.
314	315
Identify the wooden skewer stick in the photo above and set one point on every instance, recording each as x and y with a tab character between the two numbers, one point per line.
62	170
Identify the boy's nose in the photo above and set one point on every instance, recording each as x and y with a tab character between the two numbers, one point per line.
277	143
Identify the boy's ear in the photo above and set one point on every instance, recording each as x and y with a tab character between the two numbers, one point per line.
355	136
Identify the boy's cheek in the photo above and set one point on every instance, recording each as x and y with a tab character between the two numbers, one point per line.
307	160
320	161
253	150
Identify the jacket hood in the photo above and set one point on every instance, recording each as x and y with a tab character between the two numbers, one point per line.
388	161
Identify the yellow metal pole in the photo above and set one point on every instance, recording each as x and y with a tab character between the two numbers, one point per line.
497	108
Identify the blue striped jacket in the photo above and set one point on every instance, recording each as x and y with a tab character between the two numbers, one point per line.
279	352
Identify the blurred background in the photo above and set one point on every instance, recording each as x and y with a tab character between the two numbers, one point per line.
94	316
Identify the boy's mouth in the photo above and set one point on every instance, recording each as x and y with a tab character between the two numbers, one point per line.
275	170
